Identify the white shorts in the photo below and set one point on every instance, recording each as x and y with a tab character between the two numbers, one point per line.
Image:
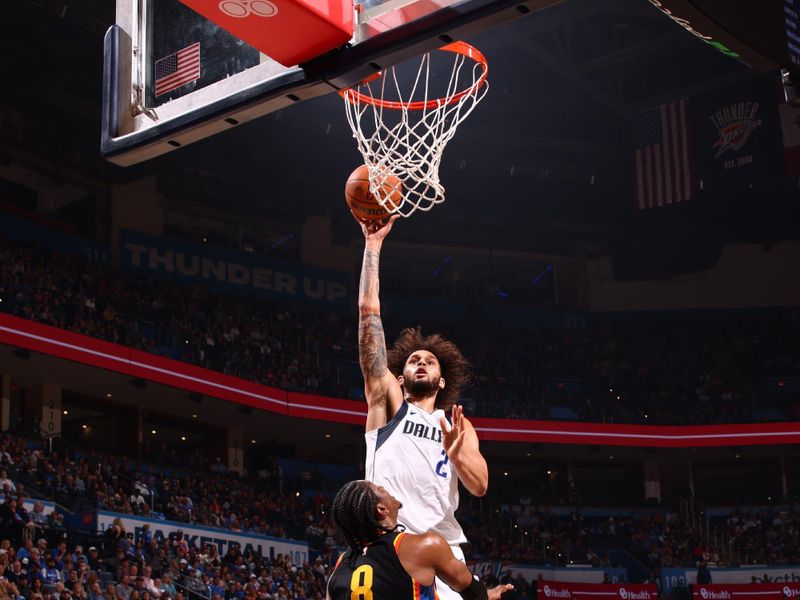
443	591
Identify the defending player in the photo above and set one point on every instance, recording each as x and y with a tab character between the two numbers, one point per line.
387	564
411	450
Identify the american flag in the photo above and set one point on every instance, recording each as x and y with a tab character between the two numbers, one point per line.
177	69
662	169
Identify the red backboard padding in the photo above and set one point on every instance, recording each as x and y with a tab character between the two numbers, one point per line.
288	31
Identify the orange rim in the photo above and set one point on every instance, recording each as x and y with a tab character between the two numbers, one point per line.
353	96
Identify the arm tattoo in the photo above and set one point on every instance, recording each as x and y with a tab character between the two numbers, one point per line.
372	346
368	285
371	340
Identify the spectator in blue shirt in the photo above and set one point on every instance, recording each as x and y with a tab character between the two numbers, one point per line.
50	575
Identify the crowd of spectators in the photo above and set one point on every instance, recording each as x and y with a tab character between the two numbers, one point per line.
523	532
502	529
659	369
91	480
767	536
50	568
118	567
652	369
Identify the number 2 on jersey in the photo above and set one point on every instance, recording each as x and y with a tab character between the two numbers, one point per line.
440	466
361	583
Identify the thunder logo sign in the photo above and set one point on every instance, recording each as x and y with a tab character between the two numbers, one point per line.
734	124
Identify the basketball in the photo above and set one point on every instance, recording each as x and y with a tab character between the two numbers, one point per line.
364	205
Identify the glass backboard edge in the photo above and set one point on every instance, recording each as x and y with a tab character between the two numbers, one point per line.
339	69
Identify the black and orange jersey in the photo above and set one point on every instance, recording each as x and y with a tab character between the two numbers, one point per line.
377	574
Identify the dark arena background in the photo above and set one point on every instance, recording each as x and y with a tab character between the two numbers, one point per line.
618	257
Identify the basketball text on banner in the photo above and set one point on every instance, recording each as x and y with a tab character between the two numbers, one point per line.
737	134
790	124
200	537
661	163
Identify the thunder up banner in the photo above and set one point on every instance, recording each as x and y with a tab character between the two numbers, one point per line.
567	590
736	133
758	591
198	537
231	272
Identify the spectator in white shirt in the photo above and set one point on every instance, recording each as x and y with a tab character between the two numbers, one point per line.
5	481
138	502
149	584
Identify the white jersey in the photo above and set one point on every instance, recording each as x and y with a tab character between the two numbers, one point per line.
406	457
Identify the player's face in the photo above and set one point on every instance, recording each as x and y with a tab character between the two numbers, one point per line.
422	374
391	503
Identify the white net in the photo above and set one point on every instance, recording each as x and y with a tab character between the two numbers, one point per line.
402	135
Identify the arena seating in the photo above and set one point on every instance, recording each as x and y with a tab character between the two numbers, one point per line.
681	368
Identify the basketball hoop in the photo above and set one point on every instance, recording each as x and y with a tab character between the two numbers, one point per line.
406	136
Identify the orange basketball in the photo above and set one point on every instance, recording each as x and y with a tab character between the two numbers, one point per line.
364	205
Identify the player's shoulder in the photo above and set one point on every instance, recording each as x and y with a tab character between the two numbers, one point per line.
423	543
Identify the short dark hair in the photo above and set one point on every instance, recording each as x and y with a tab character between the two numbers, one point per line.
454	366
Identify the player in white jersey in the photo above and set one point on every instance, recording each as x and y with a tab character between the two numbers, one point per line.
412	450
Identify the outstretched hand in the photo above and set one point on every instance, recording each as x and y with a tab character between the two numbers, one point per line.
377	230
454	432
497	591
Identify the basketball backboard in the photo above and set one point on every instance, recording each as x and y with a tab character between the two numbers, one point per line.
173	77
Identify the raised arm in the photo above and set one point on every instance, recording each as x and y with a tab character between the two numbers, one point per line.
461	443
381	388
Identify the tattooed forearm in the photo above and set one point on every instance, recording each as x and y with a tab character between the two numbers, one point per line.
368	286
371	346
371	340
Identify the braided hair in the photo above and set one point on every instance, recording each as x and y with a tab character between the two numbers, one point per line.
354	512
